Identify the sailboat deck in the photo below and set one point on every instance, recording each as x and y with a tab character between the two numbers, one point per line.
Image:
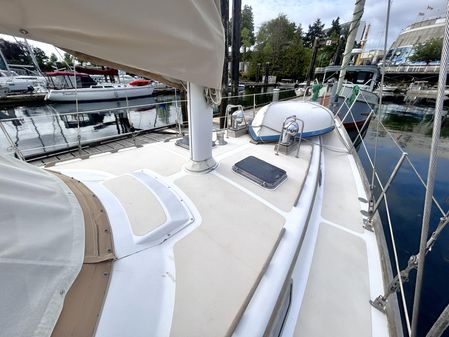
220	258
345	268
237	227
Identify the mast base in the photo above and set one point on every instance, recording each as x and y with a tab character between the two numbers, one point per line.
203	166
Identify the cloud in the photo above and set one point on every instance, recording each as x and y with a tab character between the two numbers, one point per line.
403	13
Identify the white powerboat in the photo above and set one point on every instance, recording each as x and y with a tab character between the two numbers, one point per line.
15	83
239	240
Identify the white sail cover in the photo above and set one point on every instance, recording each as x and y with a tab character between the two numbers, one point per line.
179	39
41	248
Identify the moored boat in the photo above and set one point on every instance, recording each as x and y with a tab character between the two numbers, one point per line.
99	92
87	90
15	83
357	91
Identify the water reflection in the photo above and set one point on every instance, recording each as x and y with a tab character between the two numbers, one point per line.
46	128
411	129
408	118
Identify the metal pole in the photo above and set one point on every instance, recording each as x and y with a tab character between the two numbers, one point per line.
236	19
431	174
225	75
356	16
78	130
440	325
17	152
254	105
371	201
311	68
390	180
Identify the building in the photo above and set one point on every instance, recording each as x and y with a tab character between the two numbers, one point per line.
418	32
371	57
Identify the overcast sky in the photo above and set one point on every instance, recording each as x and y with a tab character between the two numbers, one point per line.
305	12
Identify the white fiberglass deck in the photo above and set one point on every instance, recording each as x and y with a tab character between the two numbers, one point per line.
236	228
209	254
345	268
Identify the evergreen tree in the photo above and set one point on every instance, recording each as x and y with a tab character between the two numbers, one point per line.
315	32
53	61
41	58
247	37
326	54
248	23
15	53
279	42
335	29
68	59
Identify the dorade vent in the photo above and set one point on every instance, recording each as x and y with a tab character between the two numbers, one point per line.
260	172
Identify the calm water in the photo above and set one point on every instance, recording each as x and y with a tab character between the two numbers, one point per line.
37	129
412	128
46	128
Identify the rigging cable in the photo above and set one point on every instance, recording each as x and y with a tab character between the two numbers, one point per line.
387	23
431	174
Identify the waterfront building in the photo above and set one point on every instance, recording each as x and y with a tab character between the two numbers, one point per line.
418	32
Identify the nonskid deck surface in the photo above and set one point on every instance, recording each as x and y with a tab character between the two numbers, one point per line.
232	215
345	271
213	264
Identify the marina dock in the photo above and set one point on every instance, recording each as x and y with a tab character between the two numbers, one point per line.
22	99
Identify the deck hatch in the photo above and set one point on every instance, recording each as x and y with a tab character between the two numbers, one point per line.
260	172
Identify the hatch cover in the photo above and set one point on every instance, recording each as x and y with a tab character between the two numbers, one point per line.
260	172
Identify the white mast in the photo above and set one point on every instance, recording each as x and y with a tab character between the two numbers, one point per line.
356	16
200	130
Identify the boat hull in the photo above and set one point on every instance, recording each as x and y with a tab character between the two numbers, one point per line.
361	109
98	94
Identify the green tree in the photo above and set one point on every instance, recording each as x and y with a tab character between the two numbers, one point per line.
68	59
326	54
279	42
246	42
315	32
15	53
247	37
335	28
53	61
248	23
428	51
296	57
41	58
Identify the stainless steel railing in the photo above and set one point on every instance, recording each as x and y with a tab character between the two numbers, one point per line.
402	275
76	137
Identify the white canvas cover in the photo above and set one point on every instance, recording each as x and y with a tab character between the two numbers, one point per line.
180	39
41	248
269	119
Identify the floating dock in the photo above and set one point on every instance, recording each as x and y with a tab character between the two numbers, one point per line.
22	99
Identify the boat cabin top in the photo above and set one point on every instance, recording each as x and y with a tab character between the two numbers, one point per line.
66	80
